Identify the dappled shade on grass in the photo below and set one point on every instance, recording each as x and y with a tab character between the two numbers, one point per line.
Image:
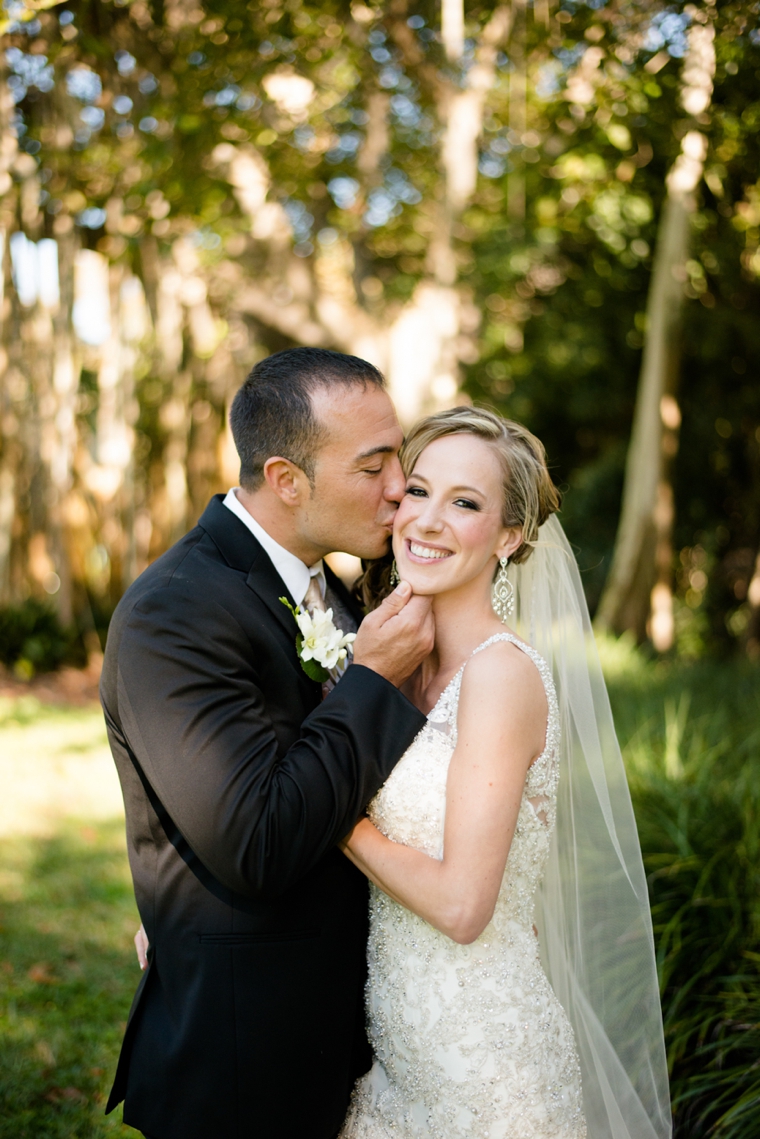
67	975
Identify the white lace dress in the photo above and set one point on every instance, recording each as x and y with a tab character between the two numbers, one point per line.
469	1040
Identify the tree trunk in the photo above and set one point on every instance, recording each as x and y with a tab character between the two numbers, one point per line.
752	634
518	88
9	452
62	427
626	600
638	593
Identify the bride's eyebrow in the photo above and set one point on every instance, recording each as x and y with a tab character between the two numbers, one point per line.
468	489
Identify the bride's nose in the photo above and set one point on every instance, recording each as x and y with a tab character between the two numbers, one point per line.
430	517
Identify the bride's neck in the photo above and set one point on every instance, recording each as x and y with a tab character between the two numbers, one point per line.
463	620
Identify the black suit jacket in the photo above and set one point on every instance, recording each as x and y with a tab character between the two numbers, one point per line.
238	780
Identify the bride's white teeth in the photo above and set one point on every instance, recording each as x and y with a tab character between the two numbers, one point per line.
426	552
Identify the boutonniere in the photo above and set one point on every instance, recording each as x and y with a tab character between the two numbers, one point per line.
321	647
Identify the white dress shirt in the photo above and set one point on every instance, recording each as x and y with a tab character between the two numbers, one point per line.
294	573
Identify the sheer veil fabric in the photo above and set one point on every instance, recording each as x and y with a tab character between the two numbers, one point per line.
593	915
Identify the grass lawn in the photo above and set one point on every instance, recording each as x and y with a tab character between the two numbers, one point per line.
691	739
67	917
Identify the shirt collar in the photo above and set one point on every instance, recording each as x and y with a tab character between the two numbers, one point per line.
294	573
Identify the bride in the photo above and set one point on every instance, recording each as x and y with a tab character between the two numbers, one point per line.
512	991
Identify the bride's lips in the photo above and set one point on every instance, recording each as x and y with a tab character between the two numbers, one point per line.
432	554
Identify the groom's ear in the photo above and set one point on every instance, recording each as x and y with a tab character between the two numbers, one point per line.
286	480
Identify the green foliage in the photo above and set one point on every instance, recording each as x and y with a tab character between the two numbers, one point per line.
565	292
32	639
691	736
558	284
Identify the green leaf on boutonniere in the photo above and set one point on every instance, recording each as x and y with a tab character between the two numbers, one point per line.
312	668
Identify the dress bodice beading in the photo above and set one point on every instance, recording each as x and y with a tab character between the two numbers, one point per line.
411	807
470	1041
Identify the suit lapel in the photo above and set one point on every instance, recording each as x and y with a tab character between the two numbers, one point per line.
267	584
243	552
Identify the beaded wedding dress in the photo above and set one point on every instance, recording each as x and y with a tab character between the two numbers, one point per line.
470	1041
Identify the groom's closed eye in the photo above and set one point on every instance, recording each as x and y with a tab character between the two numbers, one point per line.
374	456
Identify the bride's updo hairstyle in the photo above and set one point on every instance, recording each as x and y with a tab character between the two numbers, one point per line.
529	495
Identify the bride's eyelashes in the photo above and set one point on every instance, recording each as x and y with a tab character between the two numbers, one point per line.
465	503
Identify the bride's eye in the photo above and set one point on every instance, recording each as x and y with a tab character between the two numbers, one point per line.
416	491
467	503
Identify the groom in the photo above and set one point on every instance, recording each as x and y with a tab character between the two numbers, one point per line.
239	778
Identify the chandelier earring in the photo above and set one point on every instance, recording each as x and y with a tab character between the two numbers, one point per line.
395	575
502	593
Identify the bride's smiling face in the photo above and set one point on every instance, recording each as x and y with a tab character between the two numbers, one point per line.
449	530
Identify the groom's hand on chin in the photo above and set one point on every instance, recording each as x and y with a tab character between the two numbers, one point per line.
397	636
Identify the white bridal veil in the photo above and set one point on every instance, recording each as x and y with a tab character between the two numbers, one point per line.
593	916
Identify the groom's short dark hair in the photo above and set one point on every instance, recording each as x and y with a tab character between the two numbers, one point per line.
272	413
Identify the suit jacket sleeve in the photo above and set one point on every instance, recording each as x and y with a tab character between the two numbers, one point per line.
192	713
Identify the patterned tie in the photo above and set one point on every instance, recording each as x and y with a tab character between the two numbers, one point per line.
313	598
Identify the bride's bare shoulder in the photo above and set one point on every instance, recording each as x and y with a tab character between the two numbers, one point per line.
503	683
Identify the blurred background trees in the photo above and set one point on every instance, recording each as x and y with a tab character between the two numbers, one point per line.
550	207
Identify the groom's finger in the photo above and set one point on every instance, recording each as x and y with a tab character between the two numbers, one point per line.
397	636
418	612
396	600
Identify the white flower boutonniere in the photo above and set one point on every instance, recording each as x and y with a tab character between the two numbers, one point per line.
322	648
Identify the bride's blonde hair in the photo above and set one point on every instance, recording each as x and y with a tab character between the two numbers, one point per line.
529	495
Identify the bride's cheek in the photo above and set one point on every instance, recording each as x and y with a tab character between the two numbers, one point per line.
404	513
475	534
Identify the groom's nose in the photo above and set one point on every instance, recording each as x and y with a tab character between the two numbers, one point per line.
395	483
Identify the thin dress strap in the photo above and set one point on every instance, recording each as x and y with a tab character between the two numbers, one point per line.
445	710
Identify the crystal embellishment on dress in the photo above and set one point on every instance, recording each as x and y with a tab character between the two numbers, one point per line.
470	1041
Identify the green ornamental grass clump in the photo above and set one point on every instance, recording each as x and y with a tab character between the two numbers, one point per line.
691	740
